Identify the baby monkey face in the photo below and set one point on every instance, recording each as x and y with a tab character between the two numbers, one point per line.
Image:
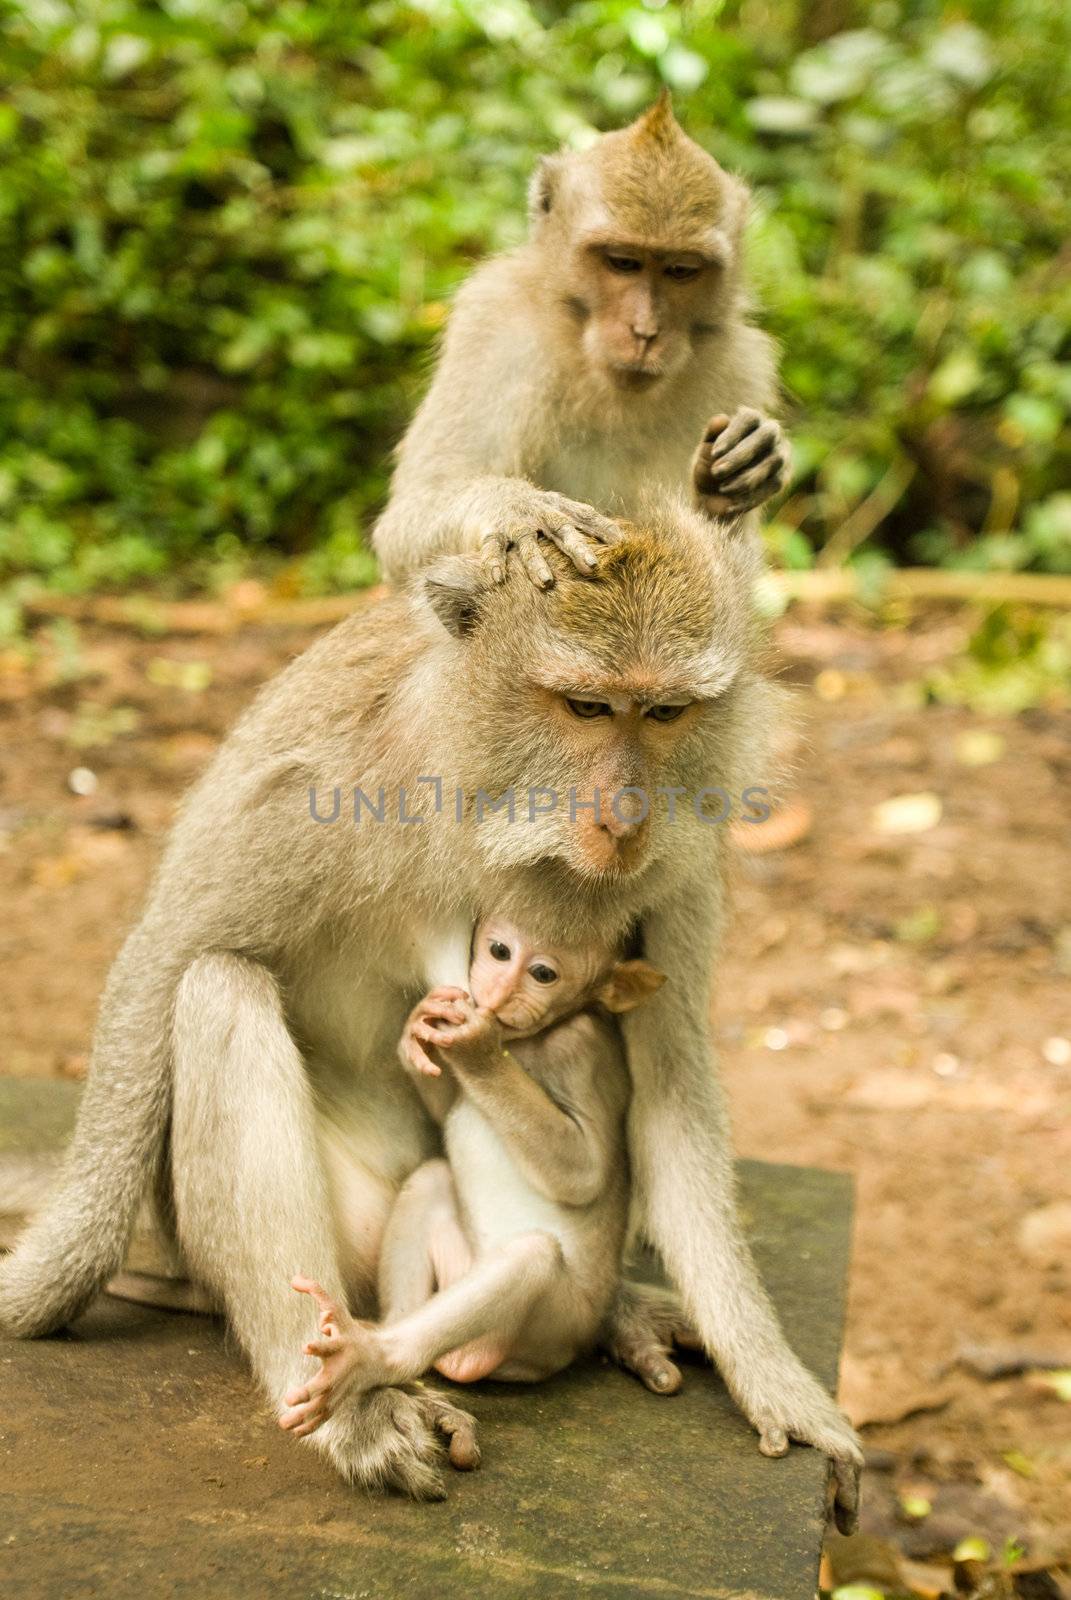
529	985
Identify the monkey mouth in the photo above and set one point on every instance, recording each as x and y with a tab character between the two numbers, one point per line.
628	375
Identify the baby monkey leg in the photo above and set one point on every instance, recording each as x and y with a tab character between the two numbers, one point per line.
494	1298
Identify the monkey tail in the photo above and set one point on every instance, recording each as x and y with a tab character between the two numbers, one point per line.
80	1237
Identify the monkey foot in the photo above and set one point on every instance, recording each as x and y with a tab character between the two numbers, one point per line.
392	1439
810	1416
351	1361
640	1330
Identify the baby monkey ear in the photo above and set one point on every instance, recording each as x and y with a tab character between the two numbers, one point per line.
630	983
455	588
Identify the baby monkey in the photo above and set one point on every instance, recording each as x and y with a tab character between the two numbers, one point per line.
503	1258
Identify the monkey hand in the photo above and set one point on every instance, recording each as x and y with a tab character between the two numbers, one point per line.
741	461
539	515
425	1027
472	1042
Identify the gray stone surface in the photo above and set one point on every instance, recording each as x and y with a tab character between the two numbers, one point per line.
136	1458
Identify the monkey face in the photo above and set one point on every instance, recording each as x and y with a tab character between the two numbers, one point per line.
642	310
593	701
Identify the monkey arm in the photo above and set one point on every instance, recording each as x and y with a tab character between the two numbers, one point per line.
566	1154
681	1163
462	480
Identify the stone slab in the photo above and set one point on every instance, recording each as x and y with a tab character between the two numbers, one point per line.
136	1458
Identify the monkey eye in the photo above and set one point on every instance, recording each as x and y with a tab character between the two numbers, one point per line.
623	264
588	709
542	973
682	272
665	713
499	951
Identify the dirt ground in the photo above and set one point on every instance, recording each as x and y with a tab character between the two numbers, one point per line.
895	1002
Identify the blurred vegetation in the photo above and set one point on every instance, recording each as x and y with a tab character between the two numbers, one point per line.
229	230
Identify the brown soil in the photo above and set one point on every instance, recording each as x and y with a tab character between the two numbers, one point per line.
892	1004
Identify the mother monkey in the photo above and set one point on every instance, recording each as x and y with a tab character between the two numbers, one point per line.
244	1058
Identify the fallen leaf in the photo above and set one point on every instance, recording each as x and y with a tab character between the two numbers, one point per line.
1044	1234
907	813
978	747
1059	1382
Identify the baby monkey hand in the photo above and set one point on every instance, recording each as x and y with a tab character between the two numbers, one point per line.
450	1021
440	1009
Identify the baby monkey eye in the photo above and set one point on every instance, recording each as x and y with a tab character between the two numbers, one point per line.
588	708
623	264
681	272
499	951
665	713
543	974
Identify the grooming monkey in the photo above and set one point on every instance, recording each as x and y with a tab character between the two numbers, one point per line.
521	1230
607	357
244	1060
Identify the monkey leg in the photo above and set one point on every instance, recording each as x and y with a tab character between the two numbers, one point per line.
252	1210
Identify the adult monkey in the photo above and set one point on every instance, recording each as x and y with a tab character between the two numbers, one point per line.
244	1058
581	370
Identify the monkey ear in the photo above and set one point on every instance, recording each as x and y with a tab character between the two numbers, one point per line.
543	187
630	984
455	588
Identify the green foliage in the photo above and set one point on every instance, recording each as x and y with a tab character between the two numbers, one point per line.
229	230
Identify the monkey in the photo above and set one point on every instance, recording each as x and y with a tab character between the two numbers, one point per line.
243	1061
615	348
521	1228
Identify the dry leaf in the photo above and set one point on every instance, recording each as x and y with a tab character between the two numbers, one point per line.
907	813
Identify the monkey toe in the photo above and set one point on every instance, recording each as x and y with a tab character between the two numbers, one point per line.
462	1449
774	1442
660	1375
845	1496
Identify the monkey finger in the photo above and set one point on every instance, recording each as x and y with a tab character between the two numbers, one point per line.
493	557
754	447
766	476
440	1036
575	545
446	991
717	425
592	522
741	423
534	561
419	1061
774	1442
443	1010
